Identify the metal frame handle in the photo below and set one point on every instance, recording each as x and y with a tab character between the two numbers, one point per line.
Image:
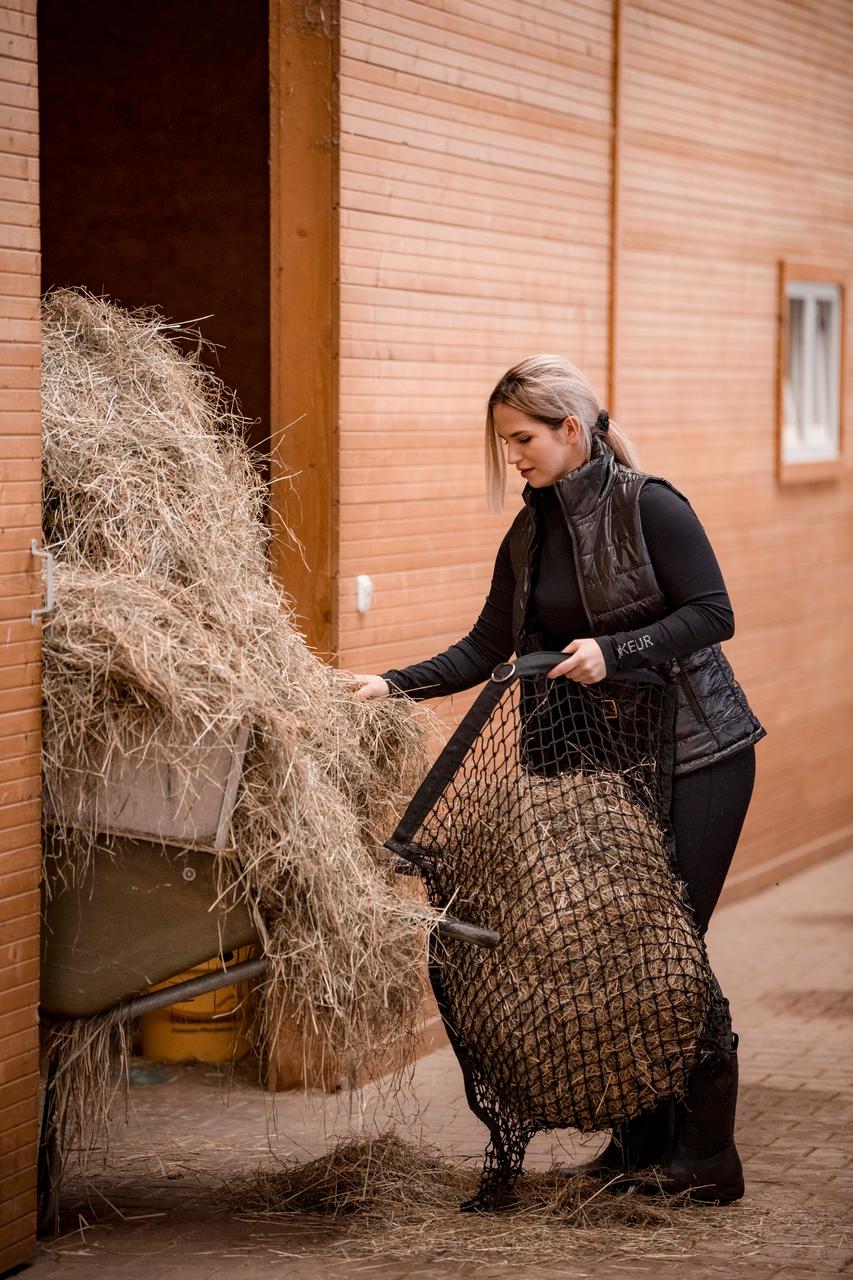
50	602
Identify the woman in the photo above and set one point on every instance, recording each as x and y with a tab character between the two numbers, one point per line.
612	567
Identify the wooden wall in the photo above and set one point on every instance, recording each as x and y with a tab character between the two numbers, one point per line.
736	150
20	592
474	229
506	169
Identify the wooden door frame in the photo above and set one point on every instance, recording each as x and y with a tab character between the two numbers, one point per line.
304	310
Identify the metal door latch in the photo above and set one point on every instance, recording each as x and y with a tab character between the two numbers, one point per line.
50	602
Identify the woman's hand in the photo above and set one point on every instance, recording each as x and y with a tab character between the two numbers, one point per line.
372	687
586	664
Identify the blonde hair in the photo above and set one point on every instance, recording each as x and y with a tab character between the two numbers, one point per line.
548	389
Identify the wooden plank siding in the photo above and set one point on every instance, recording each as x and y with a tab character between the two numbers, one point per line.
20	655
736	151
475	171
616	181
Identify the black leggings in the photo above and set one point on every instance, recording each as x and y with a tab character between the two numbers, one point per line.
708	810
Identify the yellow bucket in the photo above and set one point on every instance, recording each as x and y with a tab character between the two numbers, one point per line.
206	1029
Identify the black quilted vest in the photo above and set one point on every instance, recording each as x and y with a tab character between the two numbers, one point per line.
620	592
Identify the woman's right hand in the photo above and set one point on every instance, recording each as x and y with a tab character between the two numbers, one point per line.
372	687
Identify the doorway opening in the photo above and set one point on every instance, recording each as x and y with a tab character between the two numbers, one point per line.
155	171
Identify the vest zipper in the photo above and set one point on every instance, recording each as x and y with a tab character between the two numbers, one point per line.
581	587
527	581
688	691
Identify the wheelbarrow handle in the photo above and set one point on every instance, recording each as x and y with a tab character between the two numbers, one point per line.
412	858
186	990
461	931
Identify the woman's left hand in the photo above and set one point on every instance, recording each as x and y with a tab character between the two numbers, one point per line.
586	665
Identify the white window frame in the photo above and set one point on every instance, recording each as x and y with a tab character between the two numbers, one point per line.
812	451
821	443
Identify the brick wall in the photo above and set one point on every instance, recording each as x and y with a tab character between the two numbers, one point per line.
20	592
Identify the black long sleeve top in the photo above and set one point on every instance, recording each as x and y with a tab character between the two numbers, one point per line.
699	611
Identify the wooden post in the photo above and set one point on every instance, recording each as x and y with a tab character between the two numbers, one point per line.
304	310
615	210
304	365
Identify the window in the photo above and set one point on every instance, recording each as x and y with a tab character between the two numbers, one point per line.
810	374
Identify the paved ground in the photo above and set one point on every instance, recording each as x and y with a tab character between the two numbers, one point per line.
783	957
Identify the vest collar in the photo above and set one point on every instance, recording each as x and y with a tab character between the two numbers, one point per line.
583	489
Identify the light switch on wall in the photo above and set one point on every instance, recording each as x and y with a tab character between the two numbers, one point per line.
364	592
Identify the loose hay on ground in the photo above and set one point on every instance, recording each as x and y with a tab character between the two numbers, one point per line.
393	1199
168	625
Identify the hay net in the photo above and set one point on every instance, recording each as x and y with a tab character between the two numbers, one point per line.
545	819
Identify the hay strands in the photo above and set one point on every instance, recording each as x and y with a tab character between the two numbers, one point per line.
386	1197
169	625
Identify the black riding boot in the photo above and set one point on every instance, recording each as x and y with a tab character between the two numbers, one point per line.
635	1145
704	1158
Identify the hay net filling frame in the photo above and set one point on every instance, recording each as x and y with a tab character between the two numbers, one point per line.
546	819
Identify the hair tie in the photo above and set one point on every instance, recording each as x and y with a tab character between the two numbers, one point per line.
602	422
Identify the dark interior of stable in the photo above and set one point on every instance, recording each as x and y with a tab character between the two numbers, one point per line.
155	170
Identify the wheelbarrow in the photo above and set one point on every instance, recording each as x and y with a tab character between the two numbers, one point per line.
147	911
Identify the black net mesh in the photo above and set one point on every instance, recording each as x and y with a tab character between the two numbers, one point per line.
545	819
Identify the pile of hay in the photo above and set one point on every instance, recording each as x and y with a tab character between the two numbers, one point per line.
590	1009
168	625
399	1199
390	1199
